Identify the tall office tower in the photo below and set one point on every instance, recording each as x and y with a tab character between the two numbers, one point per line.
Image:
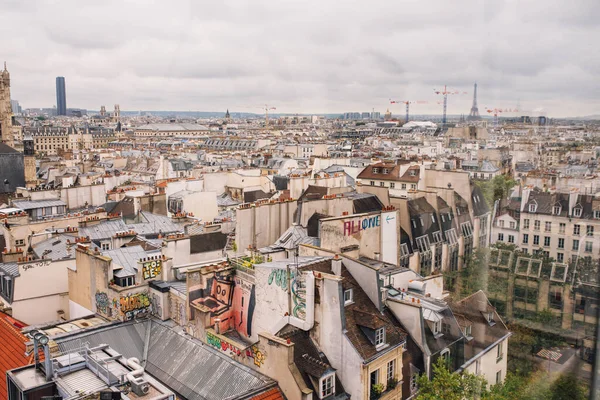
61	96
6	134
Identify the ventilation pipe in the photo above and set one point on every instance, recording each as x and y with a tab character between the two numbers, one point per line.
138	370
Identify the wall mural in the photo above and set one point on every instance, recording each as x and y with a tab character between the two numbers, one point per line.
258	356
151	269
135	305
102	303
278	277
228	299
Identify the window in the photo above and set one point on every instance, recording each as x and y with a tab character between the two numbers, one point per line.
501	237
588	247
532	207
386	171
105	246
589	230
525	238
556	210
372	183
561	227
575	244
382	184
412	173
501	223
413	186
413	383
403	186
392	185
536	225
327	386
380	337
445	328
536	240
375	170
512	224
561	243
374	377
525	224
437	237
445	354
547	226
500	353
348	296
577	211
499	377
467	331
597	214
20	242
511	238
546	241
576	229
391	370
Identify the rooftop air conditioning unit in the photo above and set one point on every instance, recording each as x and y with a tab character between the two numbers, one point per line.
140	387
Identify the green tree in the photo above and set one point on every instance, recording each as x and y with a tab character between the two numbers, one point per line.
568	387
449	386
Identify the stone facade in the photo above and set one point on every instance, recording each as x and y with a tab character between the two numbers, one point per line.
6	134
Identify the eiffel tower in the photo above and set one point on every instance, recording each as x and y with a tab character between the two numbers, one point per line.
474	114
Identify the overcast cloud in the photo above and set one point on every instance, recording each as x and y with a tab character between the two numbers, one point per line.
304	56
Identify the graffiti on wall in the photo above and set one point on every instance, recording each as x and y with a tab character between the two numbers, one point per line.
278	277
135	305
253	351
156	303
102	303
229	300
151	269
177	309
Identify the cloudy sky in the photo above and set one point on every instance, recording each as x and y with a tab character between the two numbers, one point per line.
304	56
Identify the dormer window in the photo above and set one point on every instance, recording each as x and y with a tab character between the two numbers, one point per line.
348	296
577	211
379	337
490	318
412	173
468	331
597	214
437	328
533	207
386	171
327	385
375	170
556	210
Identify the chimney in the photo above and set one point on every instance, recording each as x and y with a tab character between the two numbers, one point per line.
525	196
336	265
573	196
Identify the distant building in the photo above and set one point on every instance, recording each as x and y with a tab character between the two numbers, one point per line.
61	96
6	135
16	108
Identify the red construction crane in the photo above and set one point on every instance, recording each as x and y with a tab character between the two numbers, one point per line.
497	111
407	103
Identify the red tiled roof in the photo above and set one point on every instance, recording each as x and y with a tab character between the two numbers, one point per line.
12	349
271	394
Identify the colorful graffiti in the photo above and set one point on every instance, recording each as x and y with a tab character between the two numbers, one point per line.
279	278
102	303
151	269
253	351
230	302
135	305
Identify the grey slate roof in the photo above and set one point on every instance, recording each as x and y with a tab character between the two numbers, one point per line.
194	370
127	257
147	225
11	268
55	248
31	204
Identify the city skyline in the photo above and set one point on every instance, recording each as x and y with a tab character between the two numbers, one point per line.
308	58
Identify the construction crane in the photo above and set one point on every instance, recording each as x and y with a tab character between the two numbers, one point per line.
445	92
407	103
267	108
497	111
